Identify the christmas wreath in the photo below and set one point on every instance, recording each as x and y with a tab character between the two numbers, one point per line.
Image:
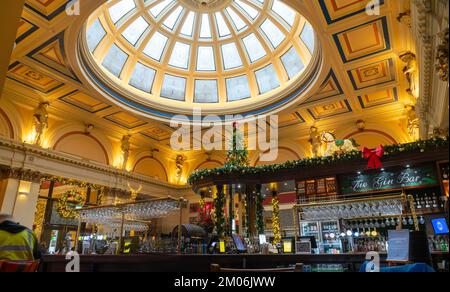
68	202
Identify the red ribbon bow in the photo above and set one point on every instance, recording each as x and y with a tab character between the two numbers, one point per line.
374	157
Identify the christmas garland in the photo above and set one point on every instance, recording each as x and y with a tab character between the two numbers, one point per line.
75	183
260	213
219	218
391	150
63	208
71	182
276	220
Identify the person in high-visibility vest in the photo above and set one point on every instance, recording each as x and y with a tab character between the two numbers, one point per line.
17	243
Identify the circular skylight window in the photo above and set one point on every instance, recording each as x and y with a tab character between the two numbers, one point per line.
220	55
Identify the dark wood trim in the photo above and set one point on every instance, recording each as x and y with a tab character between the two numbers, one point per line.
201	263
403	159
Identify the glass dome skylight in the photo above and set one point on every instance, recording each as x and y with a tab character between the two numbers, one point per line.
209	52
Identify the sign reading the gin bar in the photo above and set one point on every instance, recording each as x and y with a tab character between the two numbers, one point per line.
389	179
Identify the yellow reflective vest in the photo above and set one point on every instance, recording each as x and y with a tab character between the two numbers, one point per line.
17	246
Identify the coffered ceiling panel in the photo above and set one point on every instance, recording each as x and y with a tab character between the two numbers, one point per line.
47	9
85	102
125	120
378	98
364	40
329	110
25	29
51	54
338	10
33	78
329	88
375	74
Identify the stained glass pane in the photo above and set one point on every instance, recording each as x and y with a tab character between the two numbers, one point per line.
174	87
205	59
172	19
292	63
254	48
238	88
135	30
222	25
284	11
143	77
206	91
237	20
252	12
267	79
307	36
205	29
115	60
158	8
95	34
121	9
155	46
188	26
180	55
231	58
273	33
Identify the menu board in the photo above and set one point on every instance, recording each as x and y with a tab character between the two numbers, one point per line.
388	179
398	245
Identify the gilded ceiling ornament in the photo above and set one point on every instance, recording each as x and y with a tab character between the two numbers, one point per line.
405	18
125	147
413	122
179	162
361	125
442	56
40	123
411	72
134	192
88	128
315	141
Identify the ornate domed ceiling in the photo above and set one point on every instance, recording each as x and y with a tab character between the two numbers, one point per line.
166	57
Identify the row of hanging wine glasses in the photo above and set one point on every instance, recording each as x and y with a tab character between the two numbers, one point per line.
353	210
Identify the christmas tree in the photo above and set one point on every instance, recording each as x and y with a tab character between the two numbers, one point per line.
237	155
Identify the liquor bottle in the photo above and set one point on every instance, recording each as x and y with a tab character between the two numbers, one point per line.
417	203
434	201
444	245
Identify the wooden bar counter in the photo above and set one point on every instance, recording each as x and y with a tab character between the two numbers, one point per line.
195	263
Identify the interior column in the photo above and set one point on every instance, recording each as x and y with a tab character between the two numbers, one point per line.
10	12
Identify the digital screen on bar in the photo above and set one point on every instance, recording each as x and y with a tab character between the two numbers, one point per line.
440	226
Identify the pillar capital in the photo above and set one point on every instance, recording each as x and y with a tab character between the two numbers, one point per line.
20	174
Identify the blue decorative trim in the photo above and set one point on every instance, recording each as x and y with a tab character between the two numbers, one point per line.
331	21
51	15
108	117
166	115
391	72
386	38
331	75
63	99
28	32
60	38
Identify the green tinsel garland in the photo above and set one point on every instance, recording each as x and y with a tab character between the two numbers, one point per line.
419	146
260	213
219	219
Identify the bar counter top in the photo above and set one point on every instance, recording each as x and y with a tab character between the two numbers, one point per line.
159	262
